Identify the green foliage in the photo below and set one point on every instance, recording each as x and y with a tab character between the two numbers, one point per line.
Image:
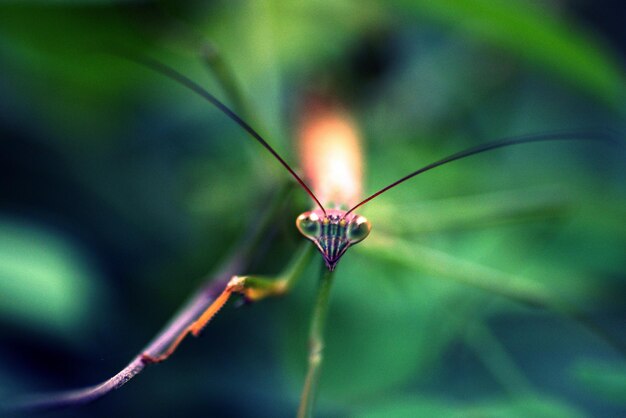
604	378
460	303
525	30
516	407
45	281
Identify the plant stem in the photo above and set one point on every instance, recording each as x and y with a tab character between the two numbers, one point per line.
496	359
226	78
316	344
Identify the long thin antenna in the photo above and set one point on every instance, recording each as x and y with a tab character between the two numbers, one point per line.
174	75
554	136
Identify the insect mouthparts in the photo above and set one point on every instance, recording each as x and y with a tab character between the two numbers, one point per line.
331	265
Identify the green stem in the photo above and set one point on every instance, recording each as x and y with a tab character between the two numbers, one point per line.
495	357
258	233
226	78
316	345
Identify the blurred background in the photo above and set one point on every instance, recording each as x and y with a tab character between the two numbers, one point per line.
120	191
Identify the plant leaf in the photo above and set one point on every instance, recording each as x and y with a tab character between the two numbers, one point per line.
45	282
536	36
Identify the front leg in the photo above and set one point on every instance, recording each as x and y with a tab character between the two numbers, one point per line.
252	288
234	285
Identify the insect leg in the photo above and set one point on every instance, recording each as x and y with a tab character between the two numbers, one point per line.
257	288
252	287
234	285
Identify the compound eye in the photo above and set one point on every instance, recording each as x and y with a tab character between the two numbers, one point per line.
358	229
309	225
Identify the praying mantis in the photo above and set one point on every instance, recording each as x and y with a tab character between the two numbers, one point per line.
335	205
332	165
332	161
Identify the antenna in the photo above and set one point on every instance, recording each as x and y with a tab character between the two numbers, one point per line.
183	80
554	136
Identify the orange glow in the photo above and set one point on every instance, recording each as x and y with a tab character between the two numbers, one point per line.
330	154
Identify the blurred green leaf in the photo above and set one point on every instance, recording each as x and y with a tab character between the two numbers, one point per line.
45	282
471	212
418	407
603	378
527	30
71	2
440	264
521	407
147	153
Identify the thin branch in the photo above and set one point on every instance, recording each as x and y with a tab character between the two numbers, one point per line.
316	345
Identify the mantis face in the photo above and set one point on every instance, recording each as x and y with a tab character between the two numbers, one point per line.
334	232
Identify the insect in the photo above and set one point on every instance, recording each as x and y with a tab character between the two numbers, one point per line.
331	157
330	154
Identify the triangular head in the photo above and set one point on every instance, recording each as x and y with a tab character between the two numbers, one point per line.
333	232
